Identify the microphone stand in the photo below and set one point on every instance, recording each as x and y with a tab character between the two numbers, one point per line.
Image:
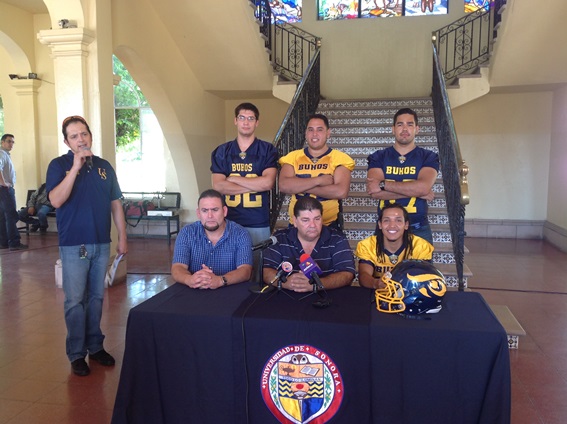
261	287
324	301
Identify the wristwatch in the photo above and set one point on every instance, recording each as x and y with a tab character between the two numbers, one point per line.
224	282
382	185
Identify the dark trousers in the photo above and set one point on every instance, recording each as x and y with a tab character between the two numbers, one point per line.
9	235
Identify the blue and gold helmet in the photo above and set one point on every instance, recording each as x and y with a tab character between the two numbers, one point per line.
413	287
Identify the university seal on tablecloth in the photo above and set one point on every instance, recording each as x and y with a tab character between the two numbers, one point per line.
301	384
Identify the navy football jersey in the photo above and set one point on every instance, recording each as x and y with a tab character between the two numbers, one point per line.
406	169
247	209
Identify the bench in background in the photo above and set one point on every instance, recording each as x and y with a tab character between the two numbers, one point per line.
167	211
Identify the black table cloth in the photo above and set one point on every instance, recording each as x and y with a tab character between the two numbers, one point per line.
198	356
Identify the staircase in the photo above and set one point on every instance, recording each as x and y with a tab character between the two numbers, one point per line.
359	128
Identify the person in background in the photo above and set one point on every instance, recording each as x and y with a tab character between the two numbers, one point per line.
85	191
213	252
392	244
9	234
38	206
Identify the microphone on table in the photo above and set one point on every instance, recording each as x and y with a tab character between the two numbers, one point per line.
266	243
312	271
284	270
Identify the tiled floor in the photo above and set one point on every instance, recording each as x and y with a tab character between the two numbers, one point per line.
36	385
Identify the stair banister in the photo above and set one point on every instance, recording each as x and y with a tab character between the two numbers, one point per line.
453	166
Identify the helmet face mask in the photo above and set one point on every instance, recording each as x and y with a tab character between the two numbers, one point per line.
413	287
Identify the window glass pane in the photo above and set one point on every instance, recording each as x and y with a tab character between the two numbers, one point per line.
286	10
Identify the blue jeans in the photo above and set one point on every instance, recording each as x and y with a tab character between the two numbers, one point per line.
9	234
424	231
257	235
41	214
83	285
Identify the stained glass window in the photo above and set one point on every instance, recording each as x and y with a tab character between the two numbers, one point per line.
354	9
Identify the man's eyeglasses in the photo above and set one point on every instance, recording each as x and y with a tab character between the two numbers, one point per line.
244	118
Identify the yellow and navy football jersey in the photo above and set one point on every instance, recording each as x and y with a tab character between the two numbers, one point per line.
366	252
306	166
248	209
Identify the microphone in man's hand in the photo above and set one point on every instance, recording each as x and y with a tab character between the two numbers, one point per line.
88	159
266	243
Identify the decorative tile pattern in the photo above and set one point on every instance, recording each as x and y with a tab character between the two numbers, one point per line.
374	130
371	120
442	237
513	341
438	219
360	201
381	103
367	151
453	281
443	258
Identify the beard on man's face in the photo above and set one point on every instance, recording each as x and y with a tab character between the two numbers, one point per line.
212	227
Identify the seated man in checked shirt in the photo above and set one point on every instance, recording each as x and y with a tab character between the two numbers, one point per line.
213	252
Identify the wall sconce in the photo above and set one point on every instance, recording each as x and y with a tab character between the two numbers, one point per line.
64	23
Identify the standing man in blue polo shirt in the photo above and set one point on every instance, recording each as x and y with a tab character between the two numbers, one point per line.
326	246
85	191
213	252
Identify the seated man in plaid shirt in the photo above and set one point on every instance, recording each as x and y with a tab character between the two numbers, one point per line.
213	252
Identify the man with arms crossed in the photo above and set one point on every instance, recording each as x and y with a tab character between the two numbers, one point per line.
326	246
85	191
213	252
244	170
317	171
405	173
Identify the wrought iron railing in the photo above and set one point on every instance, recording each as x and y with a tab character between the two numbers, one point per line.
291	135
467	43
453	166
294	55
291	49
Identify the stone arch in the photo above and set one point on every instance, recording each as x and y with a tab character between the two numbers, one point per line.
183	168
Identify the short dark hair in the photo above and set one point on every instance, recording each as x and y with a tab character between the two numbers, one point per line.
72	119
211	193
307	203
406	111
5	136
318	116
247	106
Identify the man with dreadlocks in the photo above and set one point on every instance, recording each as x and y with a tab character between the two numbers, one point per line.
392	243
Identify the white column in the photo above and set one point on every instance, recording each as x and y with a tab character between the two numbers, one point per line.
69	50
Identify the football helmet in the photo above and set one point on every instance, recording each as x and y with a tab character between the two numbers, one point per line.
413	287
